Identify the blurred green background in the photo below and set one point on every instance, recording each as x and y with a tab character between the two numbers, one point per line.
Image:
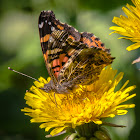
20	49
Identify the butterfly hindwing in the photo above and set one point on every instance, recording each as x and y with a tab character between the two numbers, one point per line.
86	66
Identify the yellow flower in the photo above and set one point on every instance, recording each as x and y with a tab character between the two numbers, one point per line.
129	26
86	104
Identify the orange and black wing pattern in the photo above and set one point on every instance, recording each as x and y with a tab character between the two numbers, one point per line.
53	35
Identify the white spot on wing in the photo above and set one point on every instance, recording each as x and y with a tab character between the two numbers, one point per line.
52	28
41	25
46	21
49	23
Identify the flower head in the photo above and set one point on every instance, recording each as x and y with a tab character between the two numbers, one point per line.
129	26
85	104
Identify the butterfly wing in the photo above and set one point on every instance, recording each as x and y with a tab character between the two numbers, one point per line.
86	65
53	54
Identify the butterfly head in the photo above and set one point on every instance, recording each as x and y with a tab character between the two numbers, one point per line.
63	88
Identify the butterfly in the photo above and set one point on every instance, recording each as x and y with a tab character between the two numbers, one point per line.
71	57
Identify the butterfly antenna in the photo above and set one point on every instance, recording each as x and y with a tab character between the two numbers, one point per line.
22	74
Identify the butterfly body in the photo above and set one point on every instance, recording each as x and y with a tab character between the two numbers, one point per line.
71	57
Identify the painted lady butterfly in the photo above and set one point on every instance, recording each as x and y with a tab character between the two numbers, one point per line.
71	57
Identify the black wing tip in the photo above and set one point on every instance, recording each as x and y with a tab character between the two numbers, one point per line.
46	15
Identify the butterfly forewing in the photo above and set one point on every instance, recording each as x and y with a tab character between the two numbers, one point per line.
47	24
